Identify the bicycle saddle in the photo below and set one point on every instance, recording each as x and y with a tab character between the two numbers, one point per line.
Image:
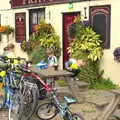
69	100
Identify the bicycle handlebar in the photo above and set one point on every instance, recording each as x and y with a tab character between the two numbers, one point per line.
23	68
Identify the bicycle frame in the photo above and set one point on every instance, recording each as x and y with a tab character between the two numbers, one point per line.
27	89
34	75
63	109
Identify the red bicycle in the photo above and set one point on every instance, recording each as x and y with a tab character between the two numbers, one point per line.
32	88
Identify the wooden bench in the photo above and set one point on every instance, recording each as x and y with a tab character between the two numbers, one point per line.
112	106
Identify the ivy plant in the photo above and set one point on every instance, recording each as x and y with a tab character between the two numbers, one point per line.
43	37
86	43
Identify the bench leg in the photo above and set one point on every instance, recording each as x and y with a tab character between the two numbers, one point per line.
110	108
72	86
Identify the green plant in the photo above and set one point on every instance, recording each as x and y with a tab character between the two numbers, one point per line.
62	83
52	41
7	30
39	54
103	83
42	29
26	46
87	44
43	37
90	72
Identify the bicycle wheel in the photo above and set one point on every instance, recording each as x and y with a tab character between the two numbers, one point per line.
28	103
15	99
42	92
46	111
76	116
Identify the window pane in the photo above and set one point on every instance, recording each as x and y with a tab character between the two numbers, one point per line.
41	15
34	18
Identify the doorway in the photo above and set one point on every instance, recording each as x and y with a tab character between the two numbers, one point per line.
20	26
68	19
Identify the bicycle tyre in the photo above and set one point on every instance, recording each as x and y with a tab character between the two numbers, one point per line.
76	116
42	92
46	111
26	110
15	106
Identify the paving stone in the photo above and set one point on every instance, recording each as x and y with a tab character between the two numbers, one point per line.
4	114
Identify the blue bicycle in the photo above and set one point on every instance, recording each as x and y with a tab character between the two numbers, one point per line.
49	110
11	94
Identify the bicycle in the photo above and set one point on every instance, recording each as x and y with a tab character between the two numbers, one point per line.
11	96
32	87
15	89
50	109
28	101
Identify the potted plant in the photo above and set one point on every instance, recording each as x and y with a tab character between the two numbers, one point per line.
116	54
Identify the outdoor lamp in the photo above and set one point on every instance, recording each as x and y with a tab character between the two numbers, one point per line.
85	16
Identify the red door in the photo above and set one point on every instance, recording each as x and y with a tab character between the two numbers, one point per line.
20	26
68	19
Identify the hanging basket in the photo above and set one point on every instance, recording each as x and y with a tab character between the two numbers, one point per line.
116	54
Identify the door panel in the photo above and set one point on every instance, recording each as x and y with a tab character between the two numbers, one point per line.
68	19
20	23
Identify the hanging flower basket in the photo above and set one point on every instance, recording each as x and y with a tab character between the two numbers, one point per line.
7	30
2	29
116	54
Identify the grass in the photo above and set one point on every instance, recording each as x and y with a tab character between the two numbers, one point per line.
105	84
61	82
102	83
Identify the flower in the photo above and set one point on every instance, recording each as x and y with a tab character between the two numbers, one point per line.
2	29
116	54
6	29
36	27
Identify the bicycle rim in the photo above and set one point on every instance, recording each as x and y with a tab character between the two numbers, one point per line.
27	109
77	117
46	111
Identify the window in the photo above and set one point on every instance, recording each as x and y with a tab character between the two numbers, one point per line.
35	16
100	21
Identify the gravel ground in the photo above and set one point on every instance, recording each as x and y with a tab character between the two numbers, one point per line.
90	103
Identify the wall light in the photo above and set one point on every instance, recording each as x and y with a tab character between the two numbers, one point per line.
85	16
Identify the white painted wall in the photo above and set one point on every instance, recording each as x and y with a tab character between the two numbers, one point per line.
111	68
4	4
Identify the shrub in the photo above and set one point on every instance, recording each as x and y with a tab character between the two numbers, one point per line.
26	46
44	37
103	83
88	46
39	54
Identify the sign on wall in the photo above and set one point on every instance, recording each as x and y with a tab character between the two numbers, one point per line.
29	3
